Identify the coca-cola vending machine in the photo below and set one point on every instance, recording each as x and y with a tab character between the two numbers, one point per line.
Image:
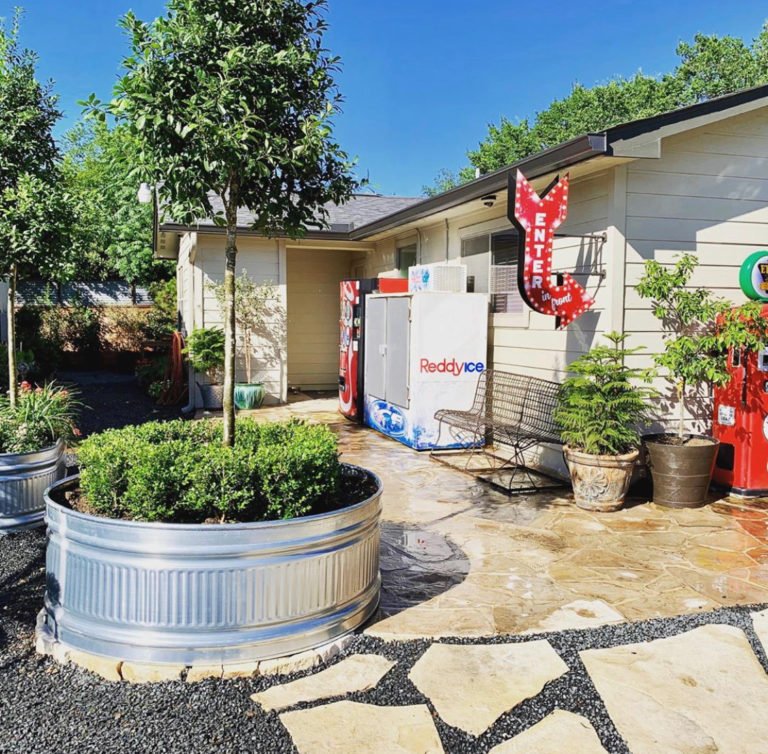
741	424
351	339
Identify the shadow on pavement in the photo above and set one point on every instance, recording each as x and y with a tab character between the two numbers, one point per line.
416	565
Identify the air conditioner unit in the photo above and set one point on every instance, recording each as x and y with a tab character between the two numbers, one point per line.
450	278
505	296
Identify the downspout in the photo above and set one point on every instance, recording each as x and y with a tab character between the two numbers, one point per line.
191	381
447	239
418	245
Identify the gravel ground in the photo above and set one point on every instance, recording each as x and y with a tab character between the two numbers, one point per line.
114	400
49	709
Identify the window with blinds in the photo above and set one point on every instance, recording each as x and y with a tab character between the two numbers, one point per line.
492	259
505	296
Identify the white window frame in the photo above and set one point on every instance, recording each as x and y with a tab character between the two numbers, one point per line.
405	242
519	321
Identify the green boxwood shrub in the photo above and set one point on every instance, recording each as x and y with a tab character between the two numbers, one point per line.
179	471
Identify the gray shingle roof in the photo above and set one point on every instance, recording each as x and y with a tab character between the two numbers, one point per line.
358	211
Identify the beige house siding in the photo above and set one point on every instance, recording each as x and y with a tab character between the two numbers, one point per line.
536	347
708	195
530	343
313	316
260	259
185	287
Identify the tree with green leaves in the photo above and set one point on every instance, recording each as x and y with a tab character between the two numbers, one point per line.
709	67
36	215
698	328
231	104
114	231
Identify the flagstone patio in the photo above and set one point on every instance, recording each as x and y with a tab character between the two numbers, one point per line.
462	559
507	625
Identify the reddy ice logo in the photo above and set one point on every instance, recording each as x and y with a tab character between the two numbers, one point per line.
451	366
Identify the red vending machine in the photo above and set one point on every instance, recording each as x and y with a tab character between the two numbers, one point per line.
741	425
351	335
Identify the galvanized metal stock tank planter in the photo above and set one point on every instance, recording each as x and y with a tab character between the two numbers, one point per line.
24	478
199	593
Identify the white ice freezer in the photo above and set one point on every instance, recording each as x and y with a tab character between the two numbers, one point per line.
423	352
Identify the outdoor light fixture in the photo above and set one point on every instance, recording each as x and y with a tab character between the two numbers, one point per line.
489	200
144	194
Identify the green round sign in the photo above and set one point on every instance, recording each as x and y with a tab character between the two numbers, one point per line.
753	277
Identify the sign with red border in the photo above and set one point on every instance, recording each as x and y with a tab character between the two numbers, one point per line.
536	219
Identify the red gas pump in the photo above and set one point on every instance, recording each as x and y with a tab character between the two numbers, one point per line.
741	424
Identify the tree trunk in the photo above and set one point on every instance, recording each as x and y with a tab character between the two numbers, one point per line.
247	347
681	406
13	385
229	321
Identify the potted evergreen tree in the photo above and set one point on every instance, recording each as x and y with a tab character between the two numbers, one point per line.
205	351
600	410
699	329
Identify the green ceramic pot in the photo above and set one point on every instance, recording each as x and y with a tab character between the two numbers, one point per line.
249	396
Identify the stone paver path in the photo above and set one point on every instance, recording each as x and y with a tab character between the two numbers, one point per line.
472	686
356	673
352	727
559	732
688	689
701	691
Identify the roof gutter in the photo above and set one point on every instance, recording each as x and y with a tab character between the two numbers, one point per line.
564	155
316	235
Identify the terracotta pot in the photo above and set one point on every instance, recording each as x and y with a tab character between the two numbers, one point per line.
681	473
600	483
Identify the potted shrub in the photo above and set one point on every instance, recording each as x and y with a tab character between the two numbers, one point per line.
206	553
255	312
600	410
698	331
205	351
33	437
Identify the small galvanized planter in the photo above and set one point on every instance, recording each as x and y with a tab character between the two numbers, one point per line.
24	478
209	593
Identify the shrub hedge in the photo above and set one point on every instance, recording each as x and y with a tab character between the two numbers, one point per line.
179	472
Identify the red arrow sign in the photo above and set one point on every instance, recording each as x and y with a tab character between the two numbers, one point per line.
536	218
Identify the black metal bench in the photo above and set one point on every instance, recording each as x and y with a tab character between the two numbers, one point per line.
509	409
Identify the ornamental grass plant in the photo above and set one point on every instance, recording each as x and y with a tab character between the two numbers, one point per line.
180	472
42	416
603	405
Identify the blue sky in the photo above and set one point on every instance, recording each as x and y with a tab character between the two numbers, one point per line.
422	78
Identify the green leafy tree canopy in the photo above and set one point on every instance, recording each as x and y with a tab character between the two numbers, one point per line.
231	104
114	231
36	215
709	66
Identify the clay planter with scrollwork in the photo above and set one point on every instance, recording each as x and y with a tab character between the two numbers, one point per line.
600	483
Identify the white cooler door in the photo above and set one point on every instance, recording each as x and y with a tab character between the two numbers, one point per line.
398	348
448	353
375	346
